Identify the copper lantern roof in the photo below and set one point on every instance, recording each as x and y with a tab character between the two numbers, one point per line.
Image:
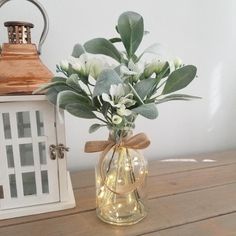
21	70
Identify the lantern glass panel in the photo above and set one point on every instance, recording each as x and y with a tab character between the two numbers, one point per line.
44	178
10	157
6	125
42	153
29	183
40	125
26	154
23	124
12	181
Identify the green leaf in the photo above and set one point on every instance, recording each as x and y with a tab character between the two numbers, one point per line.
94	128
80	110
69	97
117	29
179	79
104	81
73	81
144	87
173	97
105	108
115	40
102	46
131	29
78	50
48	85
139	100
53	91
147	110
165	71
59	79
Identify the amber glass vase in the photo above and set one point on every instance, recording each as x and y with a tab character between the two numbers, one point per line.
121	186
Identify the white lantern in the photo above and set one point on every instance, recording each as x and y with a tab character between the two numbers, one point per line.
33	171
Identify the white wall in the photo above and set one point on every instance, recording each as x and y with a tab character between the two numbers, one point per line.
201	32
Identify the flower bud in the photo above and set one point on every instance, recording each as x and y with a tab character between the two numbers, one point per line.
94	67
77	67
116	120
160	66
122	111
64	64
154	67
177	62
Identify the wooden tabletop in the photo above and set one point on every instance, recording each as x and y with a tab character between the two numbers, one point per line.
191	196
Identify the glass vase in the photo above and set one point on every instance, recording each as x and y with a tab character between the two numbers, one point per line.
121	186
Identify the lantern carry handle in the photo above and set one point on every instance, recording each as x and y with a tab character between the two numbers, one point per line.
45	18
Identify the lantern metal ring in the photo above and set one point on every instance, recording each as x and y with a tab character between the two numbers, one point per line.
45	18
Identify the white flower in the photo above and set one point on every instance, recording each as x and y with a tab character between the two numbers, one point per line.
120	98
117	90
87	66
116	119
64	64
122	111
127	100
177	62
94	67
77	66
126	71
155	66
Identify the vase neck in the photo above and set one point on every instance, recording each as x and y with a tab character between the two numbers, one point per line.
119	135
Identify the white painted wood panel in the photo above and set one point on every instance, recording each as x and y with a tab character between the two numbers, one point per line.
51	166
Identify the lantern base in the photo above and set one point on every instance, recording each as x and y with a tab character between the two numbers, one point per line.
44	208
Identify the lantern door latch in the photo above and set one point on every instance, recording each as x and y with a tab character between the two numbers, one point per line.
1	192
61	150
53	151
57	150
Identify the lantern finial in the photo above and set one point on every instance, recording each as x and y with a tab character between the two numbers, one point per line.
19	32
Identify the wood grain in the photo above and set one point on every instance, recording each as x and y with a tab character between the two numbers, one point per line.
161	167
22	71
164	213
183	200
218	226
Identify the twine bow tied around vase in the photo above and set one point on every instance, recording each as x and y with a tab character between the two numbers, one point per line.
136	142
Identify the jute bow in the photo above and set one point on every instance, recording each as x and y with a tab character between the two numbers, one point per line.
138	141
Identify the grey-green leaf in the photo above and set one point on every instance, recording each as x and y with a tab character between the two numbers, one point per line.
179	79
78	50
73	81
174	97
115	40
48	85
147	110
69	97
104	81
144	87
94	128
80	110
59	79
53	91
131	29
102	46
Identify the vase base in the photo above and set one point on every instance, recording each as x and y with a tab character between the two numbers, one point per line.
134	217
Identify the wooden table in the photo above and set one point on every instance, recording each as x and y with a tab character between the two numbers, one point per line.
195	197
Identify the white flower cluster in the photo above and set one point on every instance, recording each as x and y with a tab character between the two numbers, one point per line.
121	99
84	65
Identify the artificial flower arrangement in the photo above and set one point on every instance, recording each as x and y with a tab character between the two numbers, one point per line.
115	94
